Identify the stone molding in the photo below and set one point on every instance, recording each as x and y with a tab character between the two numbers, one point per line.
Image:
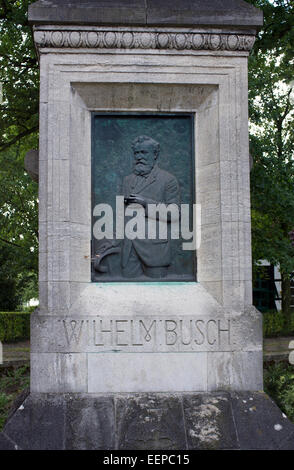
111	39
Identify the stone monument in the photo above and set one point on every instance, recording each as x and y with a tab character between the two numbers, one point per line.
138	342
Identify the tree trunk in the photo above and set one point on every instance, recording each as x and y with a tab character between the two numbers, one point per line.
286	298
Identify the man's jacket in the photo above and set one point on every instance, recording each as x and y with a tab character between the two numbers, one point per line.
159	187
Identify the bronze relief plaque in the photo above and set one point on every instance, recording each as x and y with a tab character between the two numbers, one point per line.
142	197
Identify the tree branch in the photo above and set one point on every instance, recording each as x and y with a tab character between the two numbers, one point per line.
18	137
11	243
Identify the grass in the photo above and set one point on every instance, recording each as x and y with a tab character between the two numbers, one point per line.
13	381
279	385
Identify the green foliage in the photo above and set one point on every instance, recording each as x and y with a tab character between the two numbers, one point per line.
9	298
5	401
276	324
12	383
14	326
279	384
28	309
273	323
271	109
19	76
278	30
18	73
272	177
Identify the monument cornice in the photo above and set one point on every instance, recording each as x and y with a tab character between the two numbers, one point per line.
142	38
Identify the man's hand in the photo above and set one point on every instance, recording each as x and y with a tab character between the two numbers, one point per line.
135	199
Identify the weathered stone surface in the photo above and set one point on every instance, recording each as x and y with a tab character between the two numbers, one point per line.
85	12
260	424
215	12
288	443
150	422
62	373
162	421
89	423
209	422
151	12
38	424
18	402
150	372
5	443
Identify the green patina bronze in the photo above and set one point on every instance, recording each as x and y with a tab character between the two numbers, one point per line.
146	158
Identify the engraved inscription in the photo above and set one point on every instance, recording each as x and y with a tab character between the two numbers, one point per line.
73	330
181	334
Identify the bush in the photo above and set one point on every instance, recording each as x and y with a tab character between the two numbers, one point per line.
275	324
279	384
14	326
9	295
13	382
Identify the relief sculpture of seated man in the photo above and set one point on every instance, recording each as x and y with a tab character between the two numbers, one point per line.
148	184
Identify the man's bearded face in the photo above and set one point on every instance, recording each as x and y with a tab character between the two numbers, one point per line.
144	158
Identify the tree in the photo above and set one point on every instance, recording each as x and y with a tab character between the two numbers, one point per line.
18	133
272	141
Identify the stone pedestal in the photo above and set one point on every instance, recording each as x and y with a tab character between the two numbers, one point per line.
90	337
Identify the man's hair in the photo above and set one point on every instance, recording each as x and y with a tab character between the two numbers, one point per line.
145	138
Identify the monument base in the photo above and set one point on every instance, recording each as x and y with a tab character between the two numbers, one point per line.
192	421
